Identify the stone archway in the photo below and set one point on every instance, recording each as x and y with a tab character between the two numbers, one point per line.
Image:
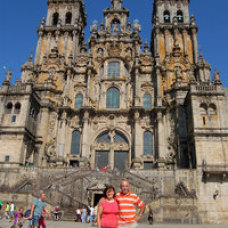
111	150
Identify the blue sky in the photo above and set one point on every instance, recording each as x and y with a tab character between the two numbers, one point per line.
19	20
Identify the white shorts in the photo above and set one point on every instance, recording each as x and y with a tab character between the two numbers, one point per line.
134	225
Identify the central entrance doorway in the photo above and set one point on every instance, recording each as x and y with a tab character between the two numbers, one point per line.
97	197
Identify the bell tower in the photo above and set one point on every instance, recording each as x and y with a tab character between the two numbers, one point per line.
63	29
173	25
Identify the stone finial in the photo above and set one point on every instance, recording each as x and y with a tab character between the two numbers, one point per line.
202	61
146	47
216	76
42	23
94	27
129	25
8	76
102	27
156	20
136	25
193	20
117	4
30	57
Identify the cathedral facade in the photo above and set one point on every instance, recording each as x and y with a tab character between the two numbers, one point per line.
116	103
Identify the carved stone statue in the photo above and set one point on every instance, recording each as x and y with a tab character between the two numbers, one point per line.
216	76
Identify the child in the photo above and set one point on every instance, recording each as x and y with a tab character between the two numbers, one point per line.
42	220
18	219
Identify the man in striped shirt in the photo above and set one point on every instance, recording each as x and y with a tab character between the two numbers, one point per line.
127	206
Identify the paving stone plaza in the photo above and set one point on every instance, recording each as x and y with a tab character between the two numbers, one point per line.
53	224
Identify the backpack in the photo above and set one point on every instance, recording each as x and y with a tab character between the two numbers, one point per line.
27	213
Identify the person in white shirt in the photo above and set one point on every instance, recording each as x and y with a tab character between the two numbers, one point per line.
92	214
12	209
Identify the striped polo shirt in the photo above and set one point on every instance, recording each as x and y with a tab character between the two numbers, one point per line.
127	208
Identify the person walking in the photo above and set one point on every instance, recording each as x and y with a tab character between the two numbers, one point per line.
92	215
37	207
108	210
1	205
42	222
7	209
18	218
84	215
128	202
12	208
150	215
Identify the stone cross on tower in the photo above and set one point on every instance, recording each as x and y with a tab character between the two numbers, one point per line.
117	4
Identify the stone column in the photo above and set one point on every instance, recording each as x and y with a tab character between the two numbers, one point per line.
111	151
156	40
38	49
160	140
158	77
93	157
43	133
167	42
184	33
195	44
85	136
75	43
65	43
138	136
62	137
137	86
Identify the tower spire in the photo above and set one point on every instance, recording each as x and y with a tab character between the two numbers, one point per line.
117	4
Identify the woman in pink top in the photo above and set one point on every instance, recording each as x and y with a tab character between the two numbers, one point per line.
108	210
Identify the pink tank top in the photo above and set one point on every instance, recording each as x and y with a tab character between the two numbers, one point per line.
109	214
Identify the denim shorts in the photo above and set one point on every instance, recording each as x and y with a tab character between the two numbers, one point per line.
35	220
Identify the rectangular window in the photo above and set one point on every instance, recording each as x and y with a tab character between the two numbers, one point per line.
148	165
13	118
114	69
7	158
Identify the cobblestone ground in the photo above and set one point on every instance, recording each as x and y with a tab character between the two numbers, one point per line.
52	224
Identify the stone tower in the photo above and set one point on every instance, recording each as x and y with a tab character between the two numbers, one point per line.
174	48
63	29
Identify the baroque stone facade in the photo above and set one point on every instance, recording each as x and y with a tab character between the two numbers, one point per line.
153	114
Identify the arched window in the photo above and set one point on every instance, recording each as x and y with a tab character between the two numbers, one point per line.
147	101
114	69
148	143
116	26
17	108
78	101
120	138
212	109
113	98
55	19
9	108
166	16
104	138
76	143
203	109
68	18
180	16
